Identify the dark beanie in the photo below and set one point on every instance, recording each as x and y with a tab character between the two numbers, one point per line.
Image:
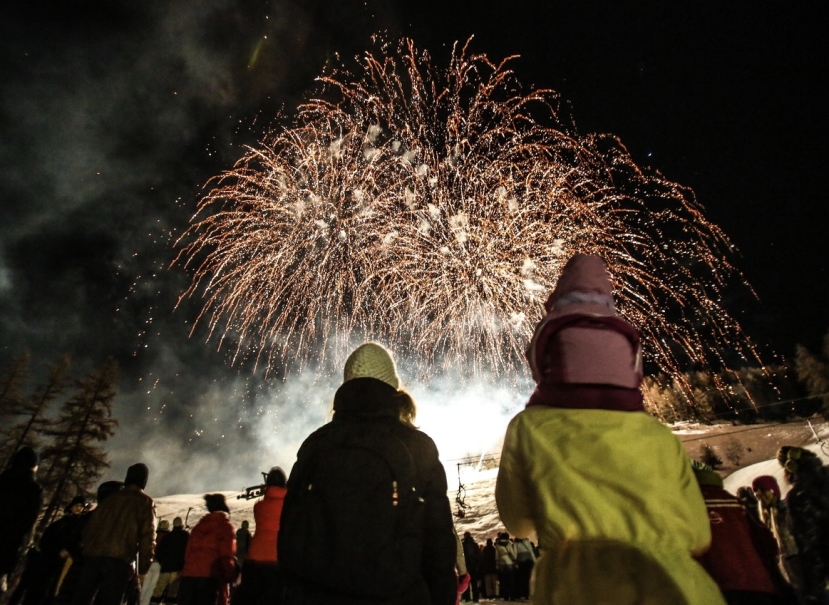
137	474
216	503
25	458
276	477
106	489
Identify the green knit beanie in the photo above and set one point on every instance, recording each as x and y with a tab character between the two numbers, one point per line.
371	360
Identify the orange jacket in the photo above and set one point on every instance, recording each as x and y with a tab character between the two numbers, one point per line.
211	548
267	512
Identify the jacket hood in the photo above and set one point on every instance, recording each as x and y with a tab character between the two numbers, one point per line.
583	343
584	287
366	398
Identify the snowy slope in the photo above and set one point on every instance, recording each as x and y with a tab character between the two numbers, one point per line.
481	513
481	518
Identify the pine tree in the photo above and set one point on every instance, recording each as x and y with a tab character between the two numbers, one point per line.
11	395
813	372
32	408
75	461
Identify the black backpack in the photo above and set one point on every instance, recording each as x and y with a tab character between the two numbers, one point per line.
352	518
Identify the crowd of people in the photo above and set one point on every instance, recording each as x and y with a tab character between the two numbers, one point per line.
620	513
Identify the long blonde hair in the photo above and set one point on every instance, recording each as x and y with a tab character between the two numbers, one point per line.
407	408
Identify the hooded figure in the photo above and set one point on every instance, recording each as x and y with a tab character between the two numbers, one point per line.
608	489
19	505
354	554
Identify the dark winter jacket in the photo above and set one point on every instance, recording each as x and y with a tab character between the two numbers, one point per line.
123	527
489	558
170	552
472	555
243	539
20	501
371	403
63	534
211	549
808	507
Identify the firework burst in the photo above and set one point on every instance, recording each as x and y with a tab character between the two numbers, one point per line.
433	210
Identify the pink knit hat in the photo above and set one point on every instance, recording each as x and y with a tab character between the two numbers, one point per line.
583	341
583	287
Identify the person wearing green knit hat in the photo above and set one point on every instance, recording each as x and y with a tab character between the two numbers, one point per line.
366	517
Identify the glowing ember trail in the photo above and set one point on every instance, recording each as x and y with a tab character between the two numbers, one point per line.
433	210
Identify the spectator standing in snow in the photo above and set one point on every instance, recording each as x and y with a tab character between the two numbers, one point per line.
75	519
20	501
45	560
261	577
119	533
148	585
472	556
243	538
209	561
170	556
742	559
72	573
412	519
808	506
608	489
489	570
775	516
525	557
505	556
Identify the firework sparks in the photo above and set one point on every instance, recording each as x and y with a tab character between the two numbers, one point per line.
433	210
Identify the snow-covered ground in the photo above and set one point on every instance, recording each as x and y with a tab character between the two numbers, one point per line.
481	518
481	513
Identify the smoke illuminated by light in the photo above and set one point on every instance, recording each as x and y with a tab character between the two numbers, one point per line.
432	210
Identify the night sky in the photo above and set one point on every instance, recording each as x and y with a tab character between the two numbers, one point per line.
113	115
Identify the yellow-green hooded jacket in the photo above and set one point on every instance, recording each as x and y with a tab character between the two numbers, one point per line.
613	500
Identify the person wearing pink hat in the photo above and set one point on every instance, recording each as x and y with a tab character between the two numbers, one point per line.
608	489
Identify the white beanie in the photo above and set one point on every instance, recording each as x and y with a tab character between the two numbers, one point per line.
371	360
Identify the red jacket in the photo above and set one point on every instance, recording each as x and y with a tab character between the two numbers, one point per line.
267	512
733	560
211	548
